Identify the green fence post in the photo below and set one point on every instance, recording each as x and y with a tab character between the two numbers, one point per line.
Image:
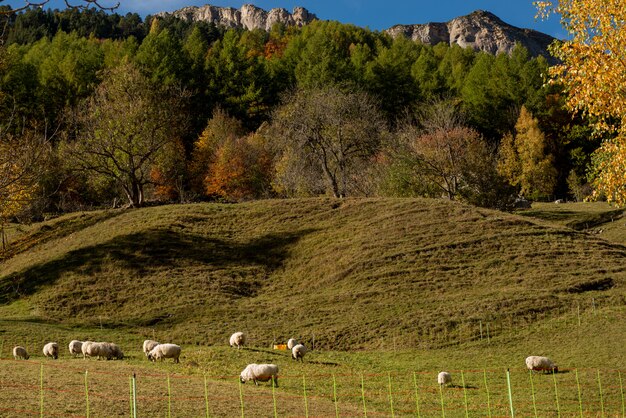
487	390
363	395
532	391
134	380
580	398
274	397
443	410
241	398
556	394
601	398
335	396
621	392
464	394
169	397
390	395
206	398
306	403
417	398
508	383
86	395
41	390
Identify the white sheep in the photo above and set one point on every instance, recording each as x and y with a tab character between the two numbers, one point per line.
292	343
238	339
444	378
75	347
260	373
20	352
163	351
539	363
148	345
51	350
298	351
96	349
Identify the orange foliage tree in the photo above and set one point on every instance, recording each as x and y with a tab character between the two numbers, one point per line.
592	72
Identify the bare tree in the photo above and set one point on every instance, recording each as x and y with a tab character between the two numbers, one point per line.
330	131
125	129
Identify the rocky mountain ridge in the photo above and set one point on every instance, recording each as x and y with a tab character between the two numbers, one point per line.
247	17
480	30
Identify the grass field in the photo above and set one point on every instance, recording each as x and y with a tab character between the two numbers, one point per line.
387	293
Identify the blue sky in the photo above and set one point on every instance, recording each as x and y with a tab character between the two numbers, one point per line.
375	14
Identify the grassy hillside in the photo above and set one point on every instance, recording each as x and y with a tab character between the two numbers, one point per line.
367	273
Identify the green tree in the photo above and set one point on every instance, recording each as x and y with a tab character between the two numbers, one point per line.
124	129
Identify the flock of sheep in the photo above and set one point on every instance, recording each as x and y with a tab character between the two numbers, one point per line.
253	372
155	351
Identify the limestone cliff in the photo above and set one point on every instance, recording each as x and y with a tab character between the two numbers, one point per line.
480	30
247	17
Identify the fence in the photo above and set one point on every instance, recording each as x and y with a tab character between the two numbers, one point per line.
32	388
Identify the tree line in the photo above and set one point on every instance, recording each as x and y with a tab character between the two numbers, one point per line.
107	107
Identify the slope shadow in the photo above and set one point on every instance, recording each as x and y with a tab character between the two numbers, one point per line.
149	250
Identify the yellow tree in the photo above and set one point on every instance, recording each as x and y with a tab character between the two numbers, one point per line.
592	71
524	159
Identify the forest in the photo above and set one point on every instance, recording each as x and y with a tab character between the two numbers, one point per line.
100	110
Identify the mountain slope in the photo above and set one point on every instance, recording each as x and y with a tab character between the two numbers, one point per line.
349	272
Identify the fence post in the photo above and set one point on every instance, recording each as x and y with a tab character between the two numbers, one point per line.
134	395
206	398
41	390
363	395
578	310
241	398
556	395
532	391
86	394
2	348
488	337
306	402
508	384
335	396
580	398
601	398
417	398
274	397
169	397
464	394
481	330
487	390
621	392
390	395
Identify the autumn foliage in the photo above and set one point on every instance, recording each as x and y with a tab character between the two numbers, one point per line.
592	72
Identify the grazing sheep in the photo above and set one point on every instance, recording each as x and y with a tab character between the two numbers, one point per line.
444	378
148	345
292	343
539	363
260	373
51	350
238	339
298	351
99	350
114	351
20	352
162	351
76	347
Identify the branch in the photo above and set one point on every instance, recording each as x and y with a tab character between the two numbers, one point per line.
28	4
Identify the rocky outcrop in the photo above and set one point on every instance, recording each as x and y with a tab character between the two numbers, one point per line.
248	17
480	30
